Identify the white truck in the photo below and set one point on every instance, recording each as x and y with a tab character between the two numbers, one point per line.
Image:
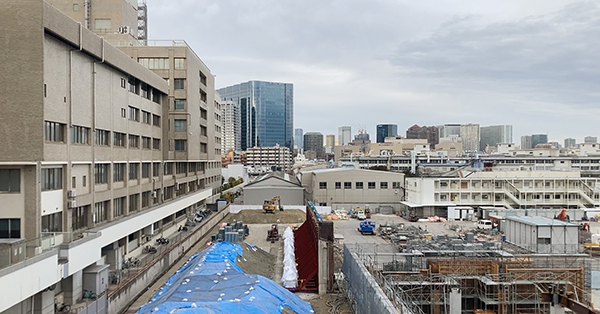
360	215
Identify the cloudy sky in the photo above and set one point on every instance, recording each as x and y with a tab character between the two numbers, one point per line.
531	64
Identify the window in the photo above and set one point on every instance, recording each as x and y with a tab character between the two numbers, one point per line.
396	185
102	137
347	185
146	199
179	104
10	228
180	124
181	167
202	78
371	185
146	142
134	171
146	170
168	168
134	141
101	211
155	169
156	143
101	173
156	95
118	206
203	148
203	95
383	185
169	192
145	89
103	24
119	172
123	83
54	131
80	217
79	134
132	84
359	185
156	120
74	182
52	222
338	185
84	181
51	179
134	114
155	63
203	113
123	113
10	180
119	139
179	83
134	201
179	63
322	185
146	117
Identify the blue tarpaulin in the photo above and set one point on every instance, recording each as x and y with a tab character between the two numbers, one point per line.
211	282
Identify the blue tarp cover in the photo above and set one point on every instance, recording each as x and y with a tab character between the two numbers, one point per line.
211	282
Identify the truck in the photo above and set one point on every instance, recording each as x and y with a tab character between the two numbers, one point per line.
366	227
360	215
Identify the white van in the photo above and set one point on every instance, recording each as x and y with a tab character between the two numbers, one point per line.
484	224
361	215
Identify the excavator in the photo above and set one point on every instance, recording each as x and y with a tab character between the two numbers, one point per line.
269	206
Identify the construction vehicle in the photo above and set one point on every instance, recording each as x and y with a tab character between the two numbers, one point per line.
273	234
269	206
366	226
368	213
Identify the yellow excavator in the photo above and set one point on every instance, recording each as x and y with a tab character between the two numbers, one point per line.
269	206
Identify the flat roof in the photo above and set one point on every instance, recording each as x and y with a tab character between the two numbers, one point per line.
539	221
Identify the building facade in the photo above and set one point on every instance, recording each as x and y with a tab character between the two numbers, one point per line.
299	138
329	143
266	112
91	170
231	137
430	133
277	158
386	130
313	141
344	135
570	143
448	130
526	142
469	133
538	139
494	135
590	139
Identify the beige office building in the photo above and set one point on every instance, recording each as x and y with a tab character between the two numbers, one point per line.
99	153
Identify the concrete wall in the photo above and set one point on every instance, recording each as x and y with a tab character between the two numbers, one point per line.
130	290
289	195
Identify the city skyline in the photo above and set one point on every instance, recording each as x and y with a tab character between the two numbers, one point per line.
510	63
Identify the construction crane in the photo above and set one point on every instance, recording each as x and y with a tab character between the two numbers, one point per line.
269	206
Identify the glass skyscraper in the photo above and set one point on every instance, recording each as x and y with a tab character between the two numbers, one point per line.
267	112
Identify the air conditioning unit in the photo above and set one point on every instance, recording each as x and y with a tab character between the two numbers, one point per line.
71	193
72	204
154	195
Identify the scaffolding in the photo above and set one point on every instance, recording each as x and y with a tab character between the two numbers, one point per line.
492	281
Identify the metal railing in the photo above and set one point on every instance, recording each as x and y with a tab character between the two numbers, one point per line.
13	253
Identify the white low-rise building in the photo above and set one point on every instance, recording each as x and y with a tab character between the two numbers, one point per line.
542	235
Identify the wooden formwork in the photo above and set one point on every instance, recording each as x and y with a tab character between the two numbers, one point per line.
465	268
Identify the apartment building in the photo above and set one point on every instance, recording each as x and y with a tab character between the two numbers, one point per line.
277	157
92	164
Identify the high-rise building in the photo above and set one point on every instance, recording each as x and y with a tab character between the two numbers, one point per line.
538	139
430	133
526	142
329	143
447	130
277	158
231	137
386	130
266	111
100	160
570	143
299	138
344	135
590	139
469	133
313	141
494	135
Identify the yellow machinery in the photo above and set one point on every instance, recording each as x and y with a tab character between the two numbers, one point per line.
269	206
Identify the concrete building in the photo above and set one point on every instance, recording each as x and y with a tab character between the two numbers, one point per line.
542	235
344	135
277	158
590	139
526	142
386	130
538	139
266	111
298	139
491	136
343	187
570	143
430	133
90	170
447	130
469	133
286	186
313	141
231	138
329	143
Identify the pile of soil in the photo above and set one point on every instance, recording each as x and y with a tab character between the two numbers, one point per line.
254	216
254	260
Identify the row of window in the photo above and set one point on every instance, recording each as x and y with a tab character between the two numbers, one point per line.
162	63
138	87
360	185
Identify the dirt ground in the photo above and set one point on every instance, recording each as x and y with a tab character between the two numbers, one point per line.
252	216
